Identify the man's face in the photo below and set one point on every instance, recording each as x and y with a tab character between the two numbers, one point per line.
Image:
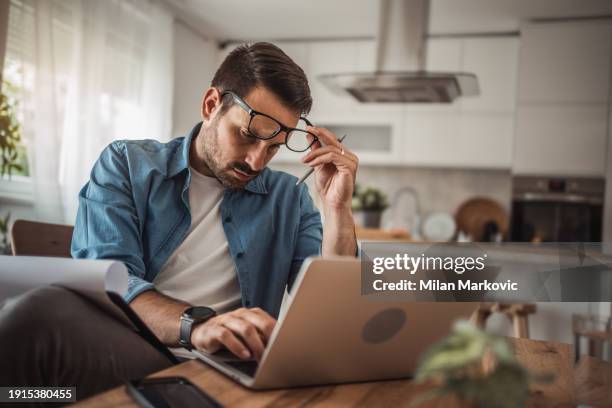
232	155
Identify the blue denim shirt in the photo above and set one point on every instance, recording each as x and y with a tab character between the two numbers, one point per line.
135	209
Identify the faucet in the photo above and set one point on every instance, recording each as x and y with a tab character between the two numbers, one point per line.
411	220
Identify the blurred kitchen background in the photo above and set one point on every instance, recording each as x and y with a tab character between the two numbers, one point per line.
527	158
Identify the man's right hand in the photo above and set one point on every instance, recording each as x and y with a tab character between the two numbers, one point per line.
244	332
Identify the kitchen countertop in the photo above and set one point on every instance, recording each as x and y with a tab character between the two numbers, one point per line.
377	234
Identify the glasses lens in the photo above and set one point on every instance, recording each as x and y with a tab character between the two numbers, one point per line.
299	140
263	127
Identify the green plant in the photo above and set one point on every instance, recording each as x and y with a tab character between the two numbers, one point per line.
10	135
12	152
477	367
370	199
5	248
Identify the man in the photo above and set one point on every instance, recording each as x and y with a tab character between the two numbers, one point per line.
199	222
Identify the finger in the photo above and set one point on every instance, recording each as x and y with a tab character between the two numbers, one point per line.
248	334
261	320
326	136
313	141
329	149
333	158
220	335
321	150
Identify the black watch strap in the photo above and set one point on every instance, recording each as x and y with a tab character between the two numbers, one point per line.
190	317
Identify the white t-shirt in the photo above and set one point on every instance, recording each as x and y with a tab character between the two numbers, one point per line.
201	270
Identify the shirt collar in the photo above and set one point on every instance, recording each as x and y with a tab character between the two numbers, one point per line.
180	162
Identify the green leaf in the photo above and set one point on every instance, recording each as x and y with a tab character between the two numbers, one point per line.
506	387
454	353
10	133
502	350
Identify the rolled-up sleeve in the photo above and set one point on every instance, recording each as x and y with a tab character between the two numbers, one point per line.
310	233
107	224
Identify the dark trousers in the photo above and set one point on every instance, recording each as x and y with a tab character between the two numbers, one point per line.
53	337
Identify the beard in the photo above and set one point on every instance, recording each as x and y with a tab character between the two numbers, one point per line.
212	156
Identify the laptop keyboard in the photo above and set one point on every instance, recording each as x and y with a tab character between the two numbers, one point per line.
246	367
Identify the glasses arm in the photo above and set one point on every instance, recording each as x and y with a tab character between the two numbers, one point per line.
309	123
239	101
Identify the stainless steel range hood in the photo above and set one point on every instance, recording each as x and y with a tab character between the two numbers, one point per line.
400	75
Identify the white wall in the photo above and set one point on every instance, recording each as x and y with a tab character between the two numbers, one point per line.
194	66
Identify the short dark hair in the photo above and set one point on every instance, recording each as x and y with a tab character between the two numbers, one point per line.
263	64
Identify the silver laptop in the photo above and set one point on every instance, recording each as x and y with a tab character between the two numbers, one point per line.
330	334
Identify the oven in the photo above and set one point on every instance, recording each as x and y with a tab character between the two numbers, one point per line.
548	209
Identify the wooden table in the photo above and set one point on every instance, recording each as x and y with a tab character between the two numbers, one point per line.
539	356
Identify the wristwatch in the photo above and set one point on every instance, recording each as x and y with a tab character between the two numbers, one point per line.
191	316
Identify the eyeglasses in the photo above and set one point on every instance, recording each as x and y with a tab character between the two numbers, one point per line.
265	127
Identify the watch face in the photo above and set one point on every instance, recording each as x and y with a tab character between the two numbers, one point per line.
200	312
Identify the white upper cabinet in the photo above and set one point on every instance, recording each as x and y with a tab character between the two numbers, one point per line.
563	93
330	57
494	60
472	132
565	62
444	54
495	63
561	140
366	56
454	140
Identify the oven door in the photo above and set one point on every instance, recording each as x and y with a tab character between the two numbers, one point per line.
556	221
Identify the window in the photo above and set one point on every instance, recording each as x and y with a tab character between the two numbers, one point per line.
14	159
81	74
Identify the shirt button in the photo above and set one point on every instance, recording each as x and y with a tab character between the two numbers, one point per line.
228	219
239	254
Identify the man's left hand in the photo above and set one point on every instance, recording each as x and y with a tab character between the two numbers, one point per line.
335	169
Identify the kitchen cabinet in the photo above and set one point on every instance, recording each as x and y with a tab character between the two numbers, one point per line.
563	96
565	62
494	60
458	140
443	55
472	132
563	140
327	57
495	63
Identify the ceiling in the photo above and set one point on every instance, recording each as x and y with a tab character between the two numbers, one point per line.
320	19
281	19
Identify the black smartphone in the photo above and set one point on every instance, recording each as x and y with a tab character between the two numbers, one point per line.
169	392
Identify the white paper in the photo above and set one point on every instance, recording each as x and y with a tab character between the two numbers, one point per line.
90	278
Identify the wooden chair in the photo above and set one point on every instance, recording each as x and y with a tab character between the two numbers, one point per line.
517	313
41	239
